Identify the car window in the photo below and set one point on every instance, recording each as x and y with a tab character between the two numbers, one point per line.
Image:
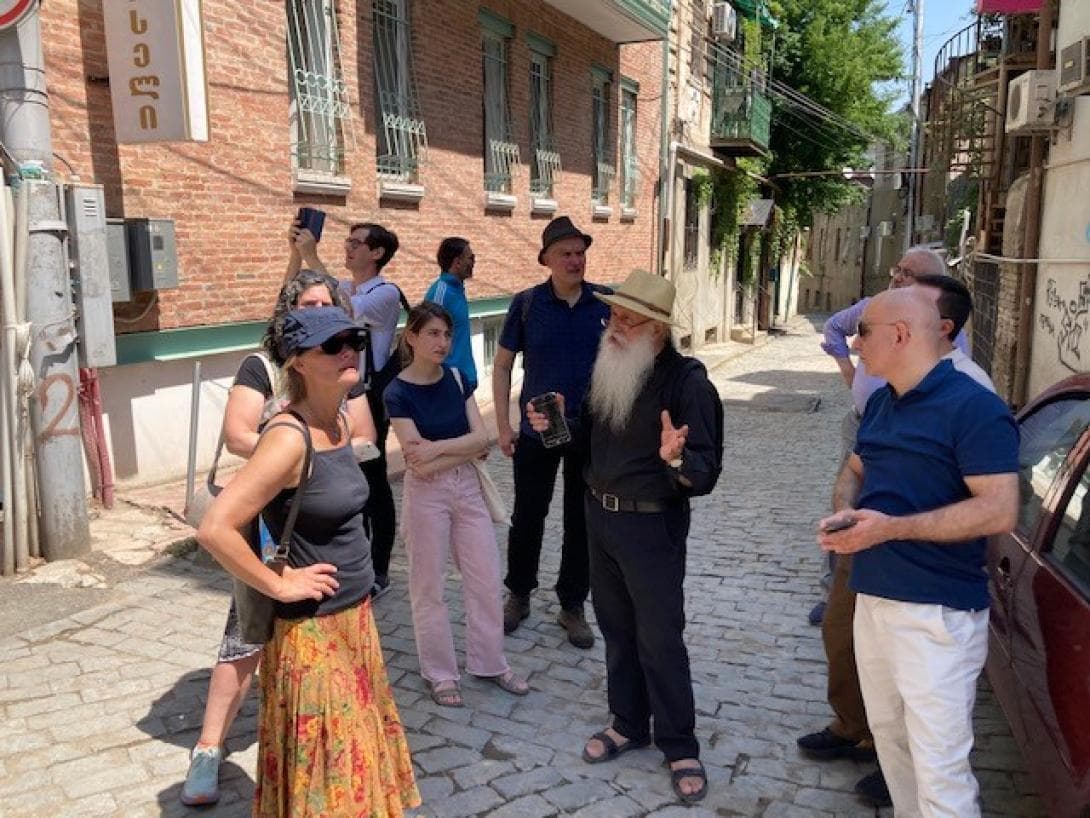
1047	437
1070	549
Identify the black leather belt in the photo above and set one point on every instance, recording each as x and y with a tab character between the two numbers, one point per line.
611	502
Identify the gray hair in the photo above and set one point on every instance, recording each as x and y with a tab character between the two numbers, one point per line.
935	263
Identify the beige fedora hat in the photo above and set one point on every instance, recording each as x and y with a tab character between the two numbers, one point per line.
644	293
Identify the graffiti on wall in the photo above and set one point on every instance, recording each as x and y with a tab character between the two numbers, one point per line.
1068	322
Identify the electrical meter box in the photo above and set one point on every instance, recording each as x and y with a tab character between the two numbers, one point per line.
153	255
89	265
117	251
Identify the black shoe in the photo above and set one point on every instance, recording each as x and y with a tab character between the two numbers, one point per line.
827	745
872	789
817	613
381	586
515	610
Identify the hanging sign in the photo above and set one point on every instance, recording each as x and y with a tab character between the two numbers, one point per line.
12	11
155	51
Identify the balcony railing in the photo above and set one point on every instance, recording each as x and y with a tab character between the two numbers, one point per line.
741	120
504	157
603	179
407	146
546	171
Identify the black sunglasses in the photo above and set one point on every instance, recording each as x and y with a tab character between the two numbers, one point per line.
334	345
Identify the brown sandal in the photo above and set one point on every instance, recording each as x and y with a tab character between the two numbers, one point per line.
509	681
446	693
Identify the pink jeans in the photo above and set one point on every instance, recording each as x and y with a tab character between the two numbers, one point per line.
445	515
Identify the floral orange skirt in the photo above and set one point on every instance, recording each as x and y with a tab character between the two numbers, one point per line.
330	741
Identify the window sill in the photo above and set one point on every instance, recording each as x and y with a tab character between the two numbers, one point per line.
319	184
400	191
628	214
499	201
542	206
601	211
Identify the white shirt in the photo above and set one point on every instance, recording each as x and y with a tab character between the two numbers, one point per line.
376	305
963	363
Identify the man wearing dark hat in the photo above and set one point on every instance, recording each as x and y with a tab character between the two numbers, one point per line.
652	429
556	326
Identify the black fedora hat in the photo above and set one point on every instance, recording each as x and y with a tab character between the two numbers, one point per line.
560	228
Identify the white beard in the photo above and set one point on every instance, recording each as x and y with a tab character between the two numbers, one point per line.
619	374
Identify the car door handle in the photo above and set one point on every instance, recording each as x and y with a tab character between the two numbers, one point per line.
1003	572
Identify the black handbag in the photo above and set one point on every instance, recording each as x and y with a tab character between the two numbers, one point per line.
256	611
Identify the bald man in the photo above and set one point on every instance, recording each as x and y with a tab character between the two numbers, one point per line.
933	473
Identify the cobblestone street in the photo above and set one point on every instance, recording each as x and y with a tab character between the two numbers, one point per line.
101	707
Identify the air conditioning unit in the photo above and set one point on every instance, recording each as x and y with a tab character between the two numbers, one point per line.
1074	68
724	22
1029	101
885	229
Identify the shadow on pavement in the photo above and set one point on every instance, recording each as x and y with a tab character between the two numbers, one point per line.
813	382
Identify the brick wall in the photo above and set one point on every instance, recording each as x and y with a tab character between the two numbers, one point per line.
232	198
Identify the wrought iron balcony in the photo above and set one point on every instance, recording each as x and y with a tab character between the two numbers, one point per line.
741	121
621	21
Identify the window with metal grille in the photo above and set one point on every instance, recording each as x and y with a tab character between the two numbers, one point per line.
604	170
692	225
501	153
629	168
492	327
401	137
546	164
320	110
698	25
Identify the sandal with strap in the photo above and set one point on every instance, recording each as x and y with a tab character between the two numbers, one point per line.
509	681
446	694
681	773
612	748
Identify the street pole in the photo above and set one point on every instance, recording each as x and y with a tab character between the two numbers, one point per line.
25	132
914	138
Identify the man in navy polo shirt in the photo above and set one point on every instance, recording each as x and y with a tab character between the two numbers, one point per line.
556	326
934	472
456	261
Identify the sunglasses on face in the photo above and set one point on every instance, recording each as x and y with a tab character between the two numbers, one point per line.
865	328
334	345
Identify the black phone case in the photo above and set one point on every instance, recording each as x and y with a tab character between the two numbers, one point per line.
313	220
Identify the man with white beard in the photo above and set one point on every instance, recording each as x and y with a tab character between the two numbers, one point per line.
651	427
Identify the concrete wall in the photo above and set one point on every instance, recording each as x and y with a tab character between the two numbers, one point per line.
1061	331
836	260
232	198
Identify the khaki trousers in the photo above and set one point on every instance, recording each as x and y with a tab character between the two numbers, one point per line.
845	697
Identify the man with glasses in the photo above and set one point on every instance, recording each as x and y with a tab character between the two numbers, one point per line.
652	430
934	472
377	303
848	735
556	326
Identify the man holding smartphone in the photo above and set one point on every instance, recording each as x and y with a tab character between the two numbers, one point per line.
933	472
377	303
556	326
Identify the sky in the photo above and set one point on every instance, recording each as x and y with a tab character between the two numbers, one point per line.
942	20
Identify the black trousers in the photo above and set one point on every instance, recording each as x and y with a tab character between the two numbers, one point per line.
535	477
637	570
379	516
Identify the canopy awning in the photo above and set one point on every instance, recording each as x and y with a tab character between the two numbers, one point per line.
1008	6
758	10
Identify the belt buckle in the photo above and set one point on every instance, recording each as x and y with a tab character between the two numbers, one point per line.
610	502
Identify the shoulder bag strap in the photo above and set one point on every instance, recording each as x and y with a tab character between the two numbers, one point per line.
284	546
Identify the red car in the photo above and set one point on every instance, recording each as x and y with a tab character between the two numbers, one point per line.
1039	577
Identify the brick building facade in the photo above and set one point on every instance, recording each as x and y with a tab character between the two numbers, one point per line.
233	197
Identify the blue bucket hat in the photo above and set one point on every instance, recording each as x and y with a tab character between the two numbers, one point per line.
307	328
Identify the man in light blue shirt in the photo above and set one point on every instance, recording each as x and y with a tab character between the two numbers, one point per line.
456	259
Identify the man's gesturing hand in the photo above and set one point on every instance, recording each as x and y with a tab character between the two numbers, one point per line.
673	439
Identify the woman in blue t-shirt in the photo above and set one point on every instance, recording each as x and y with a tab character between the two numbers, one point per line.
439	426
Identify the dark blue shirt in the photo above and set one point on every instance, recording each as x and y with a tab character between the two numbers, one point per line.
917	450
558	342
438	409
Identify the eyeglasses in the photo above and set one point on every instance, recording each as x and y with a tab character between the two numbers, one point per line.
334	345
624	323
903	272
865	327
354	244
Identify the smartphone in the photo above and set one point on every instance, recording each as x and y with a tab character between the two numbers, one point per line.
558	432
838	525
312	219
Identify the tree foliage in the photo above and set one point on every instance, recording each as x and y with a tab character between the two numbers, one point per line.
838	53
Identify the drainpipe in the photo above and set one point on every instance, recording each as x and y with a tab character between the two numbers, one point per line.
666	162
1027	288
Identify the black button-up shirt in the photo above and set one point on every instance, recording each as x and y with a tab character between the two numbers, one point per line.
627	463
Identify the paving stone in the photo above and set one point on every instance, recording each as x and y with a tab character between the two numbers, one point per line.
470	802
529	806
513	786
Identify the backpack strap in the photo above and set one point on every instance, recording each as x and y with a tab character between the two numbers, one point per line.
284	546
526	303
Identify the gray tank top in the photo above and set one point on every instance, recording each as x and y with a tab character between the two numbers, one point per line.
329	528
